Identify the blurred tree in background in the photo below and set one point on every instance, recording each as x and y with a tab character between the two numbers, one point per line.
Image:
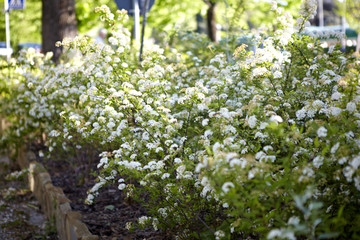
167	17
211	19
353	18
87	20
25	25
58	22
235	16
171	15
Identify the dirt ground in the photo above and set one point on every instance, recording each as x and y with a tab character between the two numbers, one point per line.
107	218
20	216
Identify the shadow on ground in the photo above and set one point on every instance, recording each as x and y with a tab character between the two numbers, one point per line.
20	216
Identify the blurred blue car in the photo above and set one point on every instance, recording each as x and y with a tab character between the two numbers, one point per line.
5	51
36	46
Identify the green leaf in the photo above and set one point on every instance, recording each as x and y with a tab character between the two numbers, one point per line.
328	235
110	207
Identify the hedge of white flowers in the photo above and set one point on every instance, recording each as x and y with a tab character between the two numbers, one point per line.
265	145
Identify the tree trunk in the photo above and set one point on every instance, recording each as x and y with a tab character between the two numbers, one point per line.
58	22
50	27
67	19
211	20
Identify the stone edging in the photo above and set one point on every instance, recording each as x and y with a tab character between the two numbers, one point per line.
53	201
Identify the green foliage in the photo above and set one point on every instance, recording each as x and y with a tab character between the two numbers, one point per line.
25	25
352	8
87	20
169	15
254	144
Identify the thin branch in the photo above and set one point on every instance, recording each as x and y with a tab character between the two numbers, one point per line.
187	127
202	221
302	54
161	141
272	83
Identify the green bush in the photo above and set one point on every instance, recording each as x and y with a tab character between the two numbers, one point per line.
263	146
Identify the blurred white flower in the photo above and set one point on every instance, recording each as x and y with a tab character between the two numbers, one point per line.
322	132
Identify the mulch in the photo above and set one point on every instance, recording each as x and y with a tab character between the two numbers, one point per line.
106	218
20	215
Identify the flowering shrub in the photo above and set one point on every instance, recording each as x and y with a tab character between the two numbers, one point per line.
22	100
264	146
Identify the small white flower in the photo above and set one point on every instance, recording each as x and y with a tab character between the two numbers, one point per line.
165	175
351	106
226	186
322	132
252	121
335	148
301	114
336	96
128	225
163	212
277	119
342	160
120	50
155	224
177	160
273	5
122	186
274	233
41	154
277	74
90	199
355	163
335	111
180	169
142	220
318	161
205	122
107	59
110	125
259	71
219	234
101	119
113	41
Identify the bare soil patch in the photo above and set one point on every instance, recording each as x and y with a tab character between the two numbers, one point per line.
106	218
20	215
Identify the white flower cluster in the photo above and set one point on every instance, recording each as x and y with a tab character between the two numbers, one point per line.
204	135
307	11
17	174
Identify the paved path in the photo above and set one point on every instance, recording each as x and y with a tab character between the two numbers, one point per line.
20	217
